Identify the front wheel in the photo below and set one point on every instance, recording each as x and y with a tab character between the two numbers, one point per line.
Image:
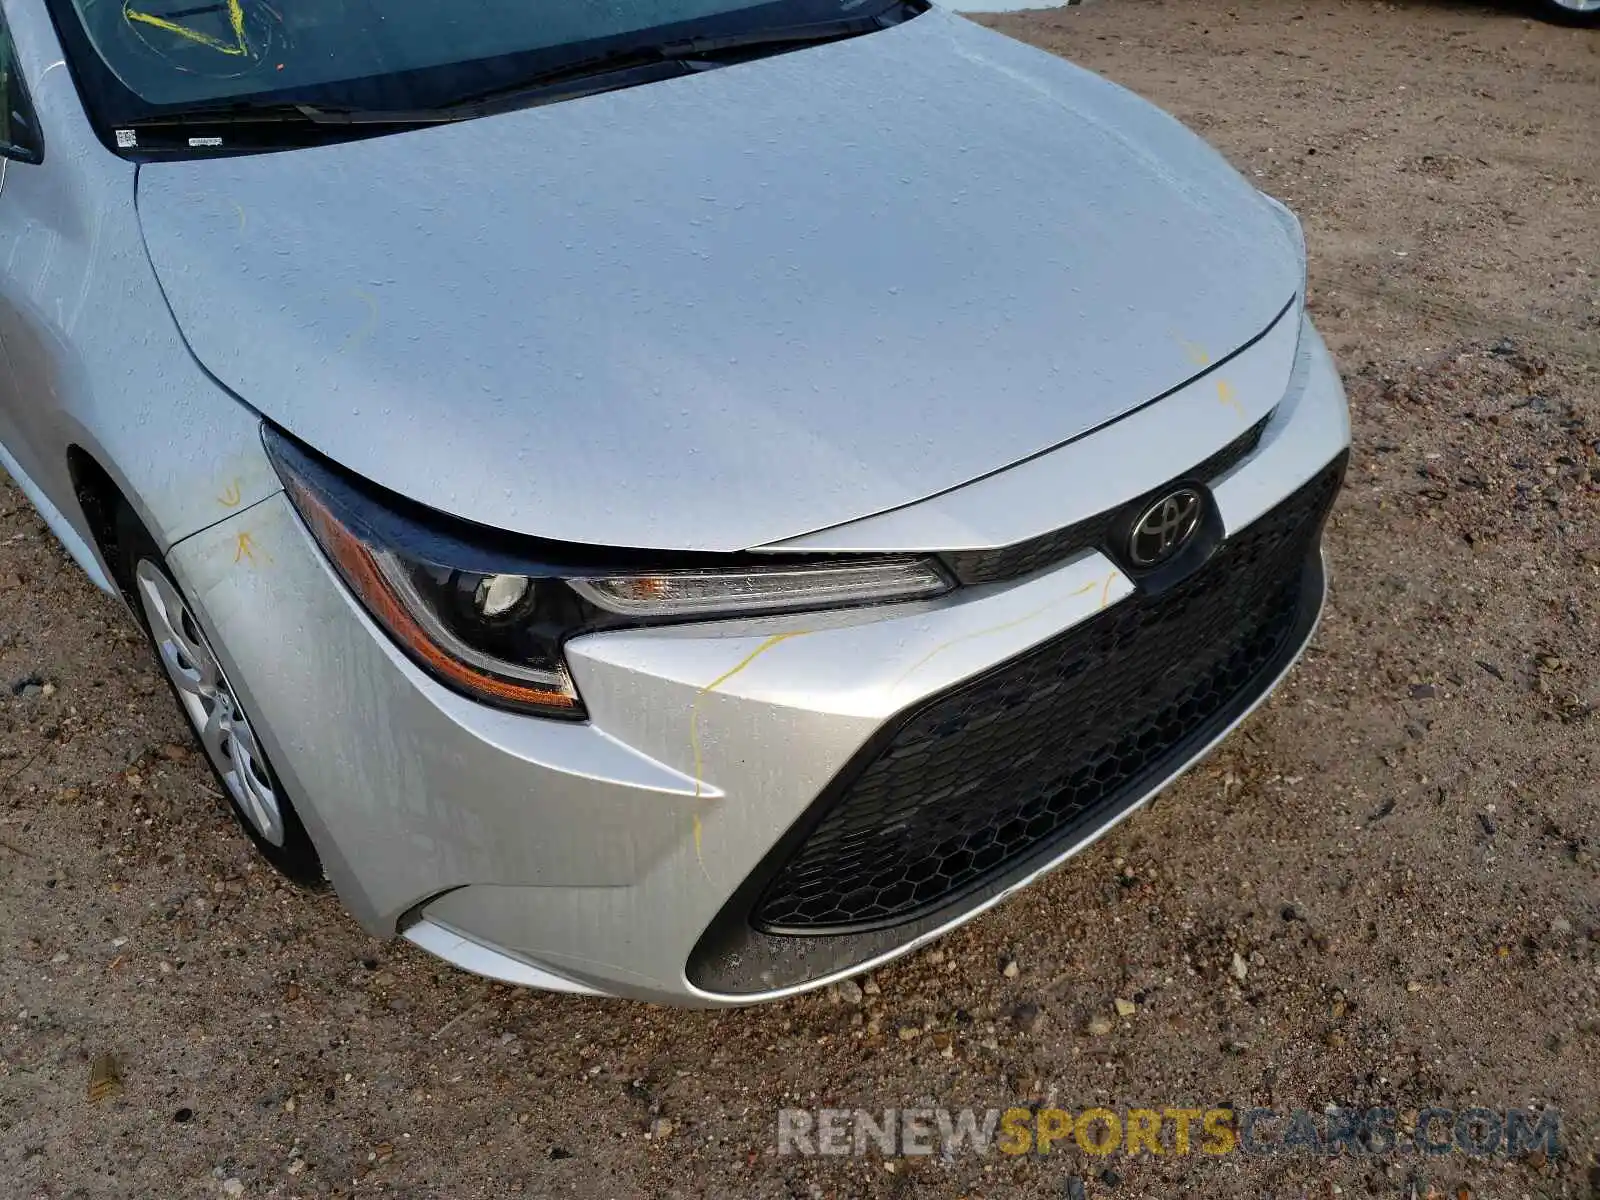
1571	12
215	712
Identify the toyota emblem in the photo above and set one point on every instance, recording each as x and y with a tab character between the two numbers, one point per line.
1165	527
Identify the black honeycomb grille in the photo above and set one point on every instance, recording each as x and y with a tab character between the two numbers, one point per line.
986	773
1048	549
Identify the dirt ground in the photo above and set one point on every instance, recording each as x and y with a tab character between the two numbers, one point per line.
1402	849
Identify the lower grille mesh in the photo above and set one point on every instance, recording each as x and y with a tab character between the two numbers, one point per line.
986	773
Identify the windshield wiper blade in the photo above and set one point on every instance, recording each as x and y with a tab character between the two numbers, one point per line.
247	113
789	35
684	53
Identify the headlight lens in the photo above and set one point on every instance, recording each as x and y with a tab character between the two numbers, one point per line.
488	614
769	589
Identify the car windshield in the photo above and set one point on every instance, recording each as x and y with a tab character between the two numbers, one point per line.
138	58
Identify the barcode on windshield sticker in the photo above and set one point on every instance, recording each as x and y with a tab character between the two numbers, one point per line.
205	141
127	139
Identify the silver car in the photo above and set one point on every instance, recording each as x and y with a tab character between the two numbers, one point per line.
678	499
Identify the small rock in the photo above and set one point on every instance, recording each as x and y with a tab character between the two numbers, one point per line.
173	752
48	689
1011	969
296	1166
1561	925
232	1187
292	993
1422	691
1240	968
660	1129
1413	986
557	1153
1110	1178
909	1033
58	958
383	1151
870	987
935	957
1125	1008
849	991
1100	1025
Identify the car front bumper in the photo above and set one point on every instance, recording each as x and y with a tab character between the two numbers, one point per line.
615	855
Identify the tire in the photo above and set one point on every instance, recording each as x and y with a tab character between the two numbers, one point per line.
1570	12
216	718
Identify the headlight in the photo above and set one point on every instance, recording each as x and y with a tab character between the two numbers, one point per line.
487	613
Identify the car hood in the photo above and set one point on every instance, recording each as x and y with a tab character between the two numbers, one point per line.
731	308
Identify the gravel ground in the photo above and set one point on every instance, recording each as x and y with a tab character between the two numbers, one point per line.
1383	890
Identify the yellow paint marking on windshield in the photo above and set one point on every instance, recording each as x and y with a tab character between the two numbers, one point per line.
694	709
238	48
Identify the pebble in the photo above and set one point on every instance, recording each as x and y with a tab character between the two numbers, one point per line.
1240	968
850	991
1099	1025
232	1187
660	1128
870	987
1125	1008
909	1033
1561	925
1010	970
59	958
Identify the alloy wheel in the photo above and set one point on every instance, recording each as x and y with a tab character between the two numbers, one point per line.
210	703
